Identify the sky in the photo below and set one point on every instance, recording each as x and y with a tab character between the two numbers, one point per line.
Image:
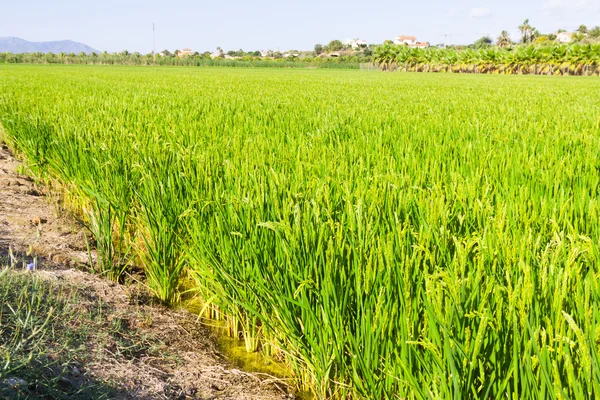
116	25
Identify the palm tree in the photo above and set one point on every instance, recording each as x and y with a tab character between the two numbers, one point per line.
526	31
587	54
450	58
503	39
582	29
401	55
558	56
465	59
523	30
384	56
430	56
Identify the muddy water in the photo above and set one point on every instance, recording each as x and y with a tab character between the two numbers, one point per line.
235	349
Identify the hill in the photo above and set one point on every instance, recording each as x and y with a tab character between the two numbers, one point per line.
18	45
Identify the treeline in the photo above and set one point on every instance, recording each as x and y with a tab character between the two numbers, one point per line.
126	58
555	59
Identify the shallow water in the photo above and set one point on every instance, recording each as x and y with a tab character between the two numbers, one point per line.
235	349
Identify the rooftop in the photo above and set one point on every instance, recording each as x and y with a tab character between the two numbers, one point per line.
402	37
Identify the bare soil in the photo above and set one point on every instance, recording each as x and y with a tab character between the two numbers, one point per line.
187	363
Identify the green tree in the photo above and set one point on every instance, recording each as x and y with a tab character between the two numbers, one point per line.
594	32
582	29
335	45
239	53
483	42
318	48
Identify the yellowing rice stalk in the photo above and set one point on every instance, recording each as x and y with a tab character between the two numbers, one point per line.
389	235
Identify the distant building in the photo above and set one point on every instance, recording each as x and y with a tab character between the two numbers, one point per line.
354	43
410	41
564	37
217	54
185	52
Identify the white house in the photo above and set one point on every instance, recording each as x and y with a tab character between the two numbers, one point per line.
354	43
409	40
564	37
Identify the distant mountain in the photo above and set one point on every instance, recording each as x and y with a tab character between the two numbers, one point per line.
17	45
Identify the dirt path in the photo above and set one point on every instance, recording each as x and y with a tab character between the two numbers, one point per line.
30	226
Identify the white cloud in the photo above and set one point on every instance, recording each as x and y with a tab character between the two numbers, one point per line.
482	12
580	5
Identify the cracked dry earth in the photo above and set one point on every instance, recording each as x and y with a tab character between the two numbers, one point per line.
32	226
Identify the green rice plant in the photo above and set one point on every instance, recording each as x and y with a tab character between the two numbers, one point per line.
387	235
108	218
163	208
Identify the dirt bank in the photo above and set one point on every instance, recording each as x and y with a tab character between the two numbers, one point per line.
184	361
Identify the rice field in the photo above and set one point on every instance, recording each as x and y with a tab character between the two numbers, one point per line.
387	236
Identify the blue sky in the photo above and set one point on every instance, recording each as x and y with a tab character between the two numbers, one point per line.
114	25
